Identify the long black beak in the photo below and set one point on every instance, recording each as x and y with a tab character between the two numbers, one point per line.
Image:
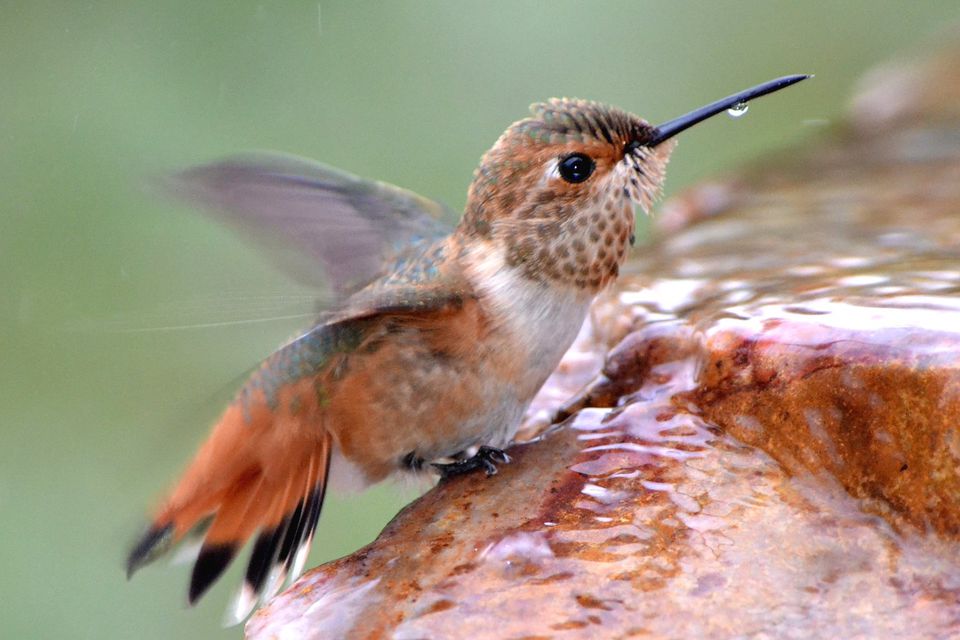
672	127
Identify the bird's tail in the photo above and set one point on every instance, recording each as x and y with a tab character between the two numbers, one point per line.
262	472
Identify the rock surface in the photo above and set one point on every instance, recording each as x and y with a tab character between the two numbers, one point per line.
771	449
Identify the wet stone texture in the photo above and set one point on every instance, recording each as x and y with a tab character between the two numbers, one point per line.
772	447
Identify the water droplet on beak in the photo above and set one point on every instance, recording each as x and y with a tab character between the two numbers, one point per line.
738	110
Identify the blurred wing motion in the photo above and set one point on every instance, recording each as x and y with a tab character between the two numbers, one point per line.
347	225
263	471
209	311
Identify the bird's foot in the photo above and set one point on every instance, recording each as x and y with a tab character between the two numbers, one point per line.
486	458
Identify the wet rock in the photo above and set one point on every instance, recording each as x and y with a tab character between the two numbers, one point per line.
769	449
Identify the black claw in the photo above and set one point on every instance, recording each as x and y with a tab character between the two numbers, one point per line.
485	458
496	455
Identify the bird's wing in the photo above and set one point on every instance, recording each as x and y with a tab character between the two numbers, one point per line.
263	470
345	225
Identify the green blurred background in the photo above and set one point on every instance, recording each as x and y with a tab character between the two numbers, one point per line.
99	405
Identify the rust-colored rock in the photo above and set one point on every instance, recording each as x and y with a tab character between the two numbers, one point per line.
772	448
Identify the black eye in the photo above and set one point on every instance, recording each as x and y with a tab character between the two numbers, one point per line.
576	167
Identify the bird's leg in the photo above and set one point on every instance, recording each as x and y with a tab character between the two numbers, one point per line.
485	458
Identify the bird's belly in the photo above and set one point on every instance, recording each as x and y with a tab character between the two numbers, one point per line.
407	403
414	407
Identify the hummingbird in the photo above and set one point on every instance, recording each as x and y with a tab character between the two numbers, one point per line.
436	338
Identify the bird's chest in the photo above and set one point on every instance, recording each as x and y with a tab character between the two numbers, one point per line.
531	326
411	400
480	395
